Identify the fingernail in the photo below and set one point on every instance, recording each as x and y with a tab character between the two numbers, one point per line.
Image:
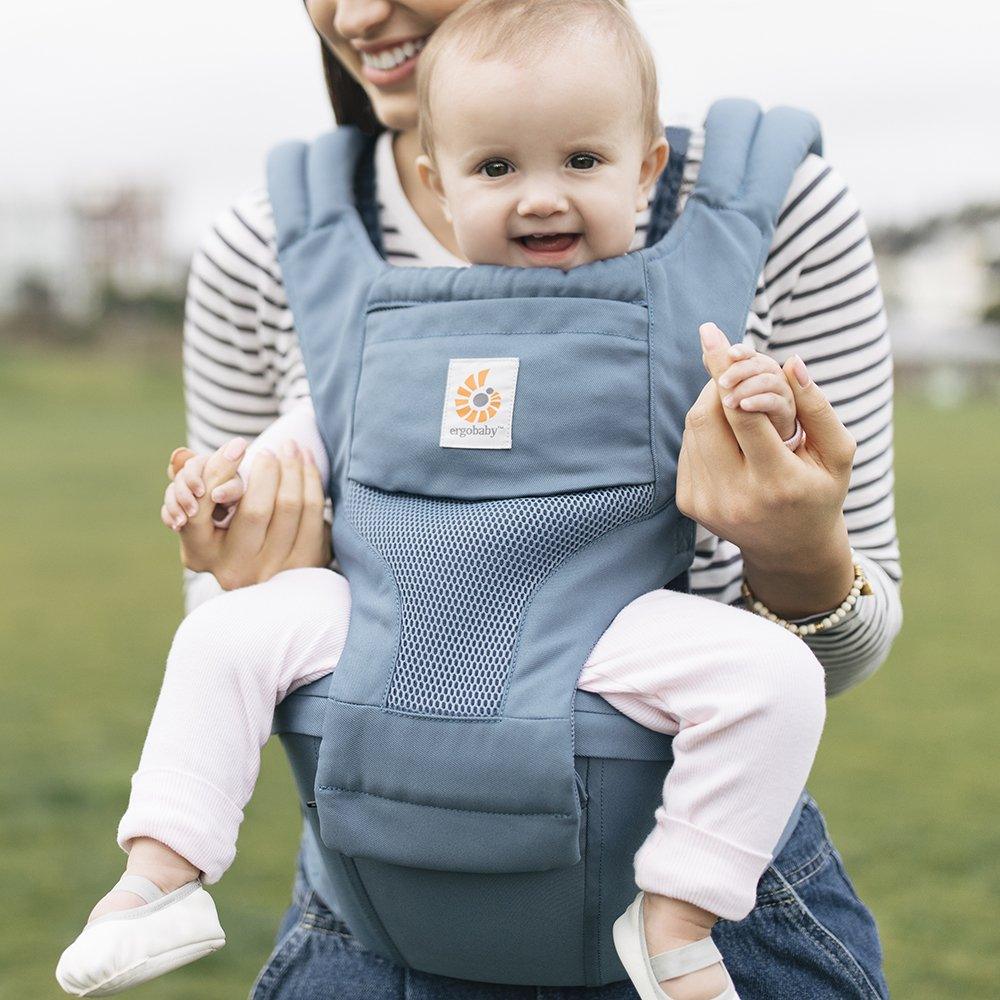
703	335
179	523
198	490
289	450
800	371
219	495
730	401
725	381
234	449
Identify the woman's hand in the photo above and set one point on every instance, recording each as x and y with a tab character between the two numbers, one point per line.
278	524
784	510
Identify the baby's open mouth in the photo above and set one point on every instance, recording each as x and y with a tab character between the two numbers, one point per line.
549	243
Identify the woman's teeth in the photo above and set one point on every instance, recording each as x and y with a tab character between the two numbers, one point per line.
391	58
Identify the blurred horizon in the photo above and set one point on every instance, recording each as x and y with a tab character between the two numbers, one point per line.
188	102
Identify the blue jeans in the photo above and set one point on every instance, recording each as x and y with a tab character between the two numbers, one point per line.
808	938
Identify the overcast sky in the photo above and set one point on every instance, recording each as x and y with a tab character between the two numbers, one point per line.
190	94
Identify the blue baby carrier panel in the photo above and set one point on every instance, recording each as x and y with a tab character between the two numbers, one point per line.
481	578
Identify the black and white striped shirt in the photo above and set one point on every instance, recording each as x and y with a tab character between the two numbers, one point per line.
818	296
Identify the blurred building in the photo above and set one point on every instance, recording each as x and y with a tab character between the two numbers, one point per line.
941	279
104	239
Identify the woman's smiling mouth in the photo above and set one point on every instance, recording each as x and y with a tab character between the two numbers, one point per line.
391	62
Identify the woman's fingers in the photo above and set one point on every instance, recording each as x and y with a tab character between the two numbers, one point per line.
827	437
249	528
284	524
312	544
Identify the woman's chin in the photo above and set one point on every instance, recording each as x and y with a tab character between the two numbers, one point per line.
397	112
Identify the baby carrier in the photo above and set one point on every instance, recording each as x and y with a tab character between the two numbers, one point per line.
503	445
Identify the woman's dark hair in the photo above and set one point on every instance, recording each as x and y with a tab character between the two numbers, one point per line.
351	105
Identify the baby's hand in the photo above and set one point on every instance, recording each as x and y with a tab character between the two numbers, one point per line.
187	489
756	384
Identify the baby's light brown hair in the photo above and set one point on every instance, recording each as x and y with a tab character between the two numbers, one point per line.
522	30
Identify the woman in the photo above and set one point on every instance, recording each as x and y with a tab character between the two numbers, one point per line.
790	540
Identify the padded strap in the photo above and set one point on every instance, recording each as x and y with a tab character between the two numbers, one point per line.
310	185
750	157
142	887
688	958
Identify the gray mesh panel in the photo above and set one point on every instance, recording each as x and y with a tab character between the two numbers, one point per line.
465	571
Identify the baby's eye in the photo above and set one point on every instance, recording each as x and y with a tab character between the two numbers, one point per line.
495	168
583	161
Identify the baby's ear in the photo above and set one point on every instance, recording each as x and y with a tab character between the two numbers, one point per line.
431	179
649	172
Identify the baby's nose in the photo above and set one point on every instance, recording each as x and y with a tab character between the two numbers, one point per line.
542	202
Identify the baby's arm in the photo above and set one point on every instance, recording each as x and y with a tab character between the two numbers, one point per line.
755	383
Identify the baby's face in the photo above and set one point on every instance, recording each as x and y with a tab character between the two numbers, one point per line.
543	165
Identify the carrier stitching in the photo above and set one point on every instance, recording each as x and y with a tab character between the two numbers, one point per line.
427	805
458	718
390	304
409	336
600	875
650	341
741	190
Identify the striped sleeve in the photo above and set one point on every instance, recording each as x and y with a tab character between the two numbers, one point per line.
825	304
242	363
819	297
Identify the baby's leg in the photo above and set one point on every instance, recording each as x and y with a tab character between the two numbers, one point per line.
746	701
232	660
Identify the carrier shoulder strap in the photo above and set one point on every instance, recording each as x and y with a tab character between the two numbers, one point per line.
325	245
707	266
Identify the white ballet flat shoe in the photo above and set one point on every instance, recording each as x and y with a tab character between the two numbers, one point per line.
128	947
630	942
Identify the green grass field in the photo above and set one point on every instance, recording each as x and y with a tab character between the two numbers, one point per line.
906	774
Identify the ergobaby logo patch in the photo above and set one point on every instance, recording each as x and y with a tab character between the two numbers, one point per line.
479	403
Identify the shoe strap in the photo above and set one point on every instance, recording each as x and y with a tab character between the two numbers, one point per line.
146	890
687	958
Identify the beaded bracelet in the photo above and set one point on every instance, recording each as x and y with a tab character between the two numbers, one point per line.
859	588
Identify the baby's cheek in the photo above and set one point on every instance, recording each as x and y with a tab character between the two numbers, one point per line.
611	228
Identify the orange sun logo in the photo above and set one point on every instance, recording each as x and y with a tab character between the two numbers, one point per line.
477	402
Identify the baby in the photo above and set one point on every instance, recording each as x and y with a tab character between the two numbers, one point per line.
542	140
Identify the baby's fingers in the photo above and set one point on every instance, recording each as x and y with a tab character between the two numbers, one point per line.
755	386
230	492
739	371
766	402
191	475
172	513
